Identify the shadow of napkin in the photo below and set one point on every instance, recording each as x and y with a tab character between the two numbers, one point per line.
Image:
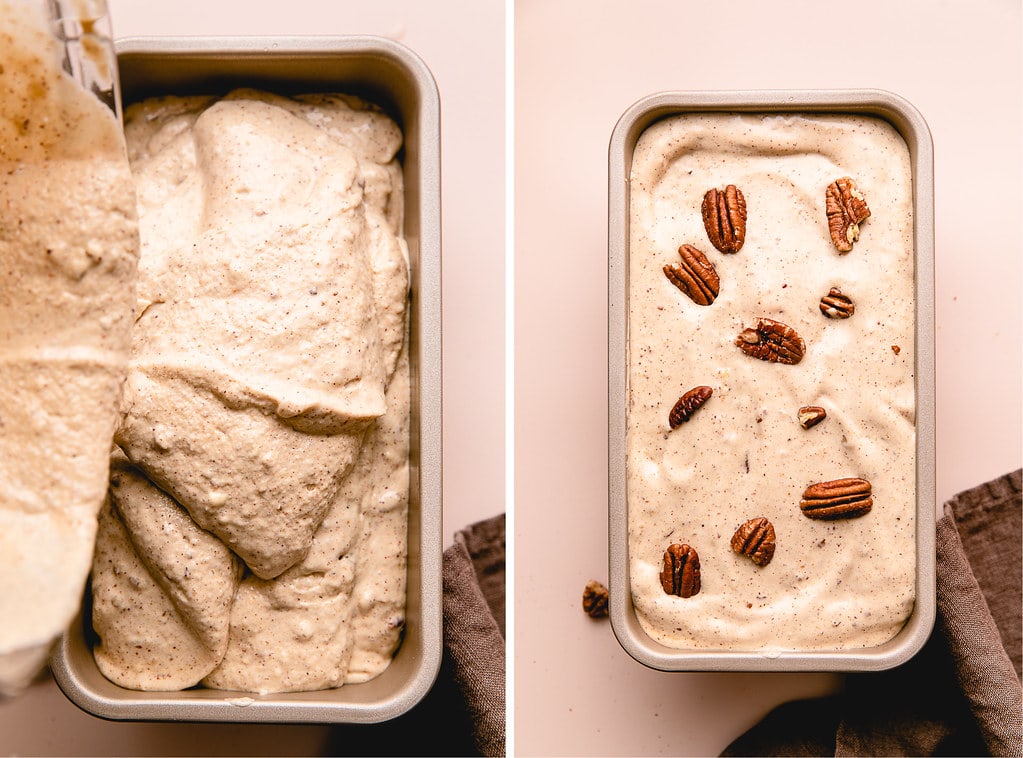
961	695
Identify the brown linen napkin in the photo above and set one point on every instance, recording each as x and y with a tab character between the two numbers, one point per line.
961	695
474	574
464	712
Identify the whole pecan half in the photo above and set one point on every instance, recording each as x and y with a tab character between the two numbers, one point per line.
755	539
724	218
595	599
811	415
772	341
836	305
694	275
839	498
681	572
688	404
846	209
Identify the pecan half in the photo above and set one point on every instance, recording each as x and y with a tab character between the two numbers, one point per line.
595	599
681	572
811	415
688	404
772	341
836	305
724	218
846	209
839	498
695	276
755	539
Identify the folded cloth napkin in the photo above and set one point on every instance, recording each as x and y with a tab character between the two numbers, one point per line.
474	574
464	712
961	694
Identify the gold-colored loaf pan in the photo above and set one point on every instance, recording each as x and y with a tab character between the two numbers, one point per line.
391	76
912	128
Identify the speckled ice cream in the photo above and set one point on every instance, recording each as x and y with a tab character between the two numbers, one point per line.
834	585
267	399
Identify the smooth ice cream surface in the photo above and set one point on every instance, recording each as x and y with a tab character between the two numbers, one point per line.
68	253
267	401
831	585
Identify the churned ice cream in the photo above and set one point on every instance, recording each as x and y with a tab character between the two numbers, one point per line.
771	390
68	253
255	538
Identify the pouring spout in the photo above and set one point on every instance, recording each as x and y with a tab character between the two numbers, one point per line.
83	28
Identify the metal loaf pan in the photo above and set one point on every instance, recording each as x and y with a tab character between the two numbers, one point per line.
394	78
911	125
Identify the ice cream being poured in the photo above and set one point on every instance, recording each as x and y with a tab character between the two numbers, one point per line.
69	249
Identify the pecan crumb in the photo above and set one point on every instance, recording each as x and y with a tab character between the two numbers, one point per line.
595	599
811	415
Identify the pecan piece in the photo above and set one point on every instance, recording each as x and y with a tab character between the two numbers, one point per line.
688	404
724	218
595	599
839	498
695	276
755	539
772	341
811	415
846	209
836	305
681	572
